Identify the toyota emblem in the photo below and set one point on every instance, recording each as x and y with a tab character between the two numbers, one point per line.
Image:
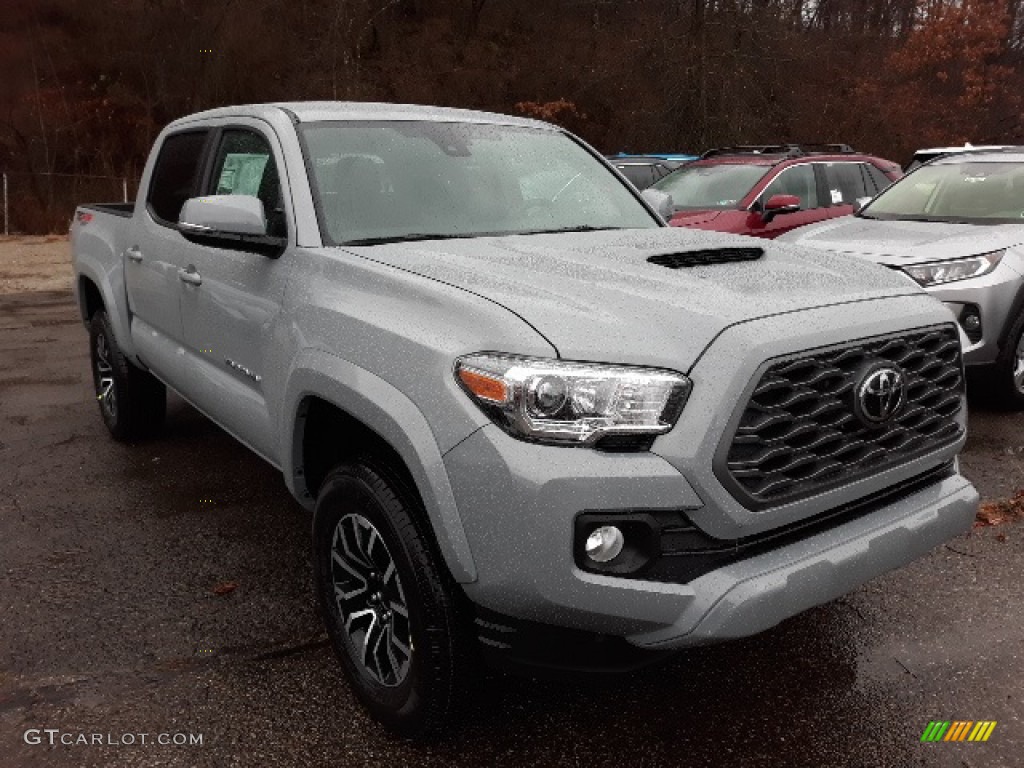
881	394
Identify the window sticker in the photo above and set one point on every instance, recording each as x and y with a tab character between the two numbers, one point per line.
241	174
837	196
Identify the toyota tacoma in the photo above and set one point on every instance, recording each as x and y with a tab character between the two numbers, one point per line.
534	425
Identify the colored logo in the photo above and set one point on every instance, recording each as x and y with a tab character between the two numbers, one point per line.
958	730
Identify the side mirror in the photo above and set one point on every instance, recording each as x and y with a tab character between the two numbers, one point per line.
660	202
229	214
229	221
780	204
860	202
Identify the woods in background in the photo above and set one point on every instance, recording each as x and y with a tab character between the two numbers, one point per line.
88	85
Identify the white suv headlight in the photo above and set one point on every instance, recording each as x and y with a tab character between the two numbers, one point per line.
938	272
566	403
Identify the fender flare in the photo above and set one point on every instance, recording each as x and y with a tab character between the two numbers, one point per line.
110	283
397	420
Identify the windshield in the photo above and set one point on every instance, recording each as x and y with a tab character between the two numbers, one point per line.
968	192
381	181
702	187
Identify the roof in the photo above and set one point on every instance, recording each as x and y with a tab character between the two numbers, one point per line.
315	111
786	150
775	159
968	147
766	160
979	155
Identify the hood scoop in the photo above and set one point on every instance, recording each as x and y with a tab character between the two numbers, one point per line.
705	257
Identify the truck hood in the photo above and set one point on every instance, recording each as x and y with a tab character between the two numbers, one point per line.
595	296
898	243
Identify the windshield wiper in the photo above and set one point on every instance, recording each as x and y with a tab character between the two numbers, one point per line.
935	219
412	237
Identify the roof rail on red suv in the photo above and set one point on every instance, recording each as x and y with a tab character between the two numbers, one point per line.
790	150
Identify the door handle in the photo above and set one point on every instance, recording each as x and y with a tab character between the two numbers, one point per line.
133	253
190	276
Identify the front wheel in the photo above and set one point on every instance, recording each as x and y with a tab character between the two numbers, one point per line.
396	618
132	401
1010	367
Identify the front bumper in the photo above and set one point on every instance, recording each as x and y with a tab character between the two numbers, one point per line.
518	502
757	594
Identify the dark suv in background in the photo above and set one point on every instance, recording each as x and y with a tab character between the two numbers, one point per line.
765	190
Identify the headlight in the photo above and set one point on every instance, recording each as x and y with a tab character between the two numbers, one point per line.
566	403
938	272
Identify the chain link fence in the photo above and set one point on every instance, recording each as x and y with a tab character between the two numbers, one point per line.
44	203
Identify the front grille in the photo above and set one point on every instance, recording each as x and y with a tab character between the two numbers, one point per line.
800	433
702	258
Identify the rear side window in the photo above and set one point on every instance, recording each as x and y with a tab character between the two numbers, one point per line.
176	174
245	166
641	176
845	183
880	180
660	172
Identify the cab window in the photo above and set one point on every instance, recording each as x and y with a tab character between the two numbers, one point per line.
175	174
244	165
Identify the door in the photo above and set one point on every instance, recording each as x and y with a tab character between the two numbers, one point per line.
796	180
230	297
155	253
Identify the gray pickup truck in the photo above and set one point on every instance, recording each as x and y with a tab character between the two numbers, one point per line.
535	426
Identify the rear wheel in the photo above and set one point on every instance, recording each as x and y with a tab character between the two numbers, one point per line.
132	401
395	617
1009	378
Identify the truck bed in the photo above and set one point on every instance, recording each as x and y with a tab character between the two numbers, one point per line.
118	209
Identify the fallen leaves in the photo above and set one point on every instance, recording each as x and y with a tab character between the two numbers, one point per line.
225	588
1001	511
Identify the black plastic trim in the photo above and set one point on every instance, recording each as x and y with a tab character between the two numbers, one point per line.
704	257
534	648
683	552
1015	311
976	335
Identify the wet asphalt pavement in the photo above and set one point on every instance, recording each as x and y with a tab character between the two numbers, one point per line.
111	556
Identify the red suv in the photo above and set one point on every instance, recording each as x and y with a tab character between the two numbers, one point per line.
766	190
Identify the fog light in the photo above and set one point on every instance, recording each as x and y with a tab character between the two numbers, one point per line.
971	322
604	543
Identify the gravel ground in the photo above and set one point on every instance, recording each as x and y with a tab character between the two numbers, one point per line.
111	557
35	264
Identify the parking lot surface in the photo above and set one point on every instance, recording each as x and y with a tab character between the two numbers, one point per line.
164	589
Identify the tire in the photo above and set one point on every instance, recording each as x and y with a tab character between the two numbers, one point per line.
412	673
1009	368
132	401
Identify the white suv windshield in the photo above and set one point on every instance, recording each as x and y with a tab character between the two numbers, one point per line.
969	192
703	187
381	181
